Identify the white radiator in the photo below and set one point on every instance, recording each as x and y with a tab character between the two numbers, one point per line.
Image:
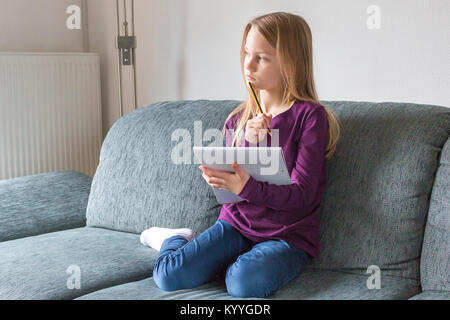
50	113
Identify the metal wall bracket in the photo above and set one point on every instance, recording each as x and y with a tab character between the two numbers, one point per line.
125	43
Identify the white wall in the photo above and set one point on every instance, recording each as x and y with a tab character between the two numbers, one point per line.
40	26
189	49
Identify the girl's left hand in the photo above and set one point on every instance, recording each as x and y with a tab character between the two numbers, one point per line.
231	181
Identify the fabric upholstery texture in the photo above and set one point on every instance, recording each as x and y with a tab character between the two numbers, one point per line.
431	295
379	186
137	185
47	266
435	260
41	203
309	285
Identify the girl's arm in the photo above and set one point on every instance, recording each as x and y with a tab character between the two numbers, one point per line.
305	174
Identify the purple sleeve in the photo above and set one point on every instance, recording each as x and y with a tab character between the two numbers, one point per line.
305	174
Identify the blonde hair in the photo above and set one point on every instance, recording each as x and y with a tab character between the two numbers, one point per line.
291	37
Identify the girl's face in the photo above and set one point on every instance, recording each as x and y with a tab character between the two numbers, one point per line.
261	63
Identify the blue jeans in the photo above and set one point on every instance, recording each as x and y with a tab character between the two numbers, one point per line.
250	270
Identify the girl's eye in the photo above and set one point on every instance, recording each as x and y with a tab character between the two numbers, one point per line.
259	58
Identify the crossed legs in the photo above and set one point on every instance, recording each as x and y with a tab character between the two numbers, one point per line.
250	270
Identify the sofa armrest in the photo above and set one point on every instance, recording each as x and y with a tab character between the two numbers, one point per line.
43	203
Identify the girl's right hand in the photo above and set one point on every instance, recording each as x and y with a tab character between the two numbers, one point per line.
256	128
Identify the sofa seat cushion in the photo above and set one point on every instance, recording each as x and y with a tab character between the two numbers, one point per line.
310	284
48	266
432	295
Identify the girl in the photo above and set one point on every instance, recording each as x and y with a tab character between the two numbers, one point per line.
263	242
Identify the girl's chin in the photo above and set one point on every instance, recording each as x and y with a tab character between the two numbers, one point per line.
254	84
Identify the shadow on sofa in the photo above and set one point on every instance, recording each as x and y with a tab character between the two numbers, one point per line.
386	208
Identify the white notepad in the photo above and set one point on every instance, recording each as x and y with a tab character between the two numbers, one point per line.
266	164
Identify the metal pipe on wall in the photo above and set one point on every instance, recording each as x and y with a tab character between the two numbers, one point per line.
126	46
133	55
119	66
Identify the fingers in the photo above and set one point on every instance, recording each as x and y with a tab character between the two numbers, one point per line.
255	132
261	121
213	181
256	128
214	173
262	116
268	119
266	116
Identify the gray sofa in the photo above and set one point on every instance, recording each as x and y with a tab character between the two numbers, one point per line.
387	204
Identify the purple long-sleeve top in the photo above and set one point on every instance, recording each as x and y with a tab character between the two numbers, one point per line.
287	212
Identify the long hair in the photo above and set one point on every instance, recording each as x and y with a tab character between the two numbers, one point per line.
291	37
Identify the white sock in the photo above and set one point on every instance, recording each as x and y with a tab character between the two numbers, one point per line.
155	236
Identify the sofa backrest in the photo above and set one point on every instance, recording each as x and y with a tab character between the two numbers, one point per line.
435	260
138	186
378	188
379	185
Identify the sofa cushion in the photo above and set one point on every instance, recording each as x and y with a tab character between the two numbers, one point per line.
71	263
432	295
310	284
435	261
137	185
379	185
41	203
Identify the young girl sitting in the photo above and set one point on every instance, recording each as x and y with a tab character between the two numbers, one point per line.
262	243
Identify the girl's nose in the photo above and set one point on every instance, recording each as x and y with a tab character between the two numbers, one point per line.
249	70
250	65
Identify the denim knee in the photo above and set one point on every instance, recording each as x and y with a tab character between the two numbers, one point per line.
268	266
240	282
164	277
